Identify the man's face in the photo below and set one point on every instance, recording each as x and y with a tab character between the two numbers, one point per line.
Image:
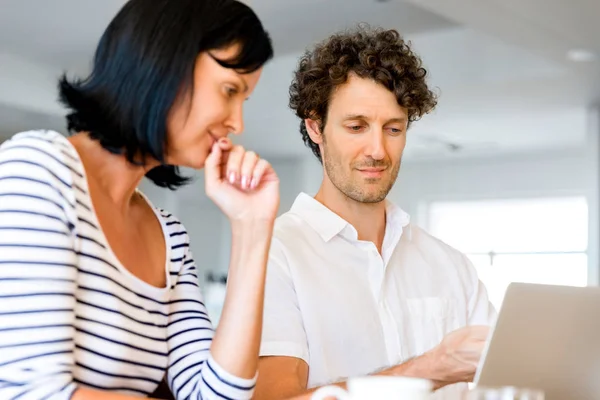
363	140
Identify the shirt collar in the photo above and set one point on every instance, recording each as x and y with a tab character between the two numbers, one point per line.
328	224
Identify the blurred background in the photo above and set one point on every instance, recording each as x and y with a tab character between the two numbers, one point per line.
506	169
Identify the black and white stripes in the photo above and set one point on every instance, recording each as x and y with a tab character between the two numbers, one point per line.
70	314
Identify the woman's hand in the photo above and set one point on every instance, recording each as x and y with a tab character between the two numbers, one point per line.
246	189
244	186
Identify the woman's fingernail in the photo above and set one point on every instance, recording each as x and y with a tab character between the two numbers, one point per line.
253	183
244	182
232	177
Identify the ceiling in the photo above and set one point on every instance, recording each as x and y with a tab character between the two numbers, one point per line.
295	25
500	67
60	33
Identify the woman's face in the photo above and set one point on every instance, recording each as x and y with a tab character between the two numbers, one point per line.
211	110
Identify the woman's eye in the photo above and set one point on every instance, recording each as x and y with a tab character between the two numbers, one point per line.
231	91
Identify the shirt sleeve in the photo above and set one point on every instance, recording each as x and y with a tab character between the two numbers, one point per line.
37	276
480	309
193	373
283	326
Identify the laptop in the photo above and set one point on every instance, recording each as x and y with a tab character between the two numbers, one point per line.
546	337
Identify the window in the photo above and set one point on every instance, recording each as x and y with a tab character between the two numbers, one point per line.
540	240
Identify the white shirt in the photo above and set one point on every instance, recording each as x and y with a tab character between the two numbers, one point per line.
335	302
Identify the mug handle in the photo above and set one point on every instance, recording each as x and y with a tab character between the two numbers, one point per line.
330	391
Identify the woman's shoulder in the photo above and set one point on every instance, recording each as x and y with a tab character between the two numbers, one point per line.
41	156
41	149
46	139
174	228
37	175
176	235
177	242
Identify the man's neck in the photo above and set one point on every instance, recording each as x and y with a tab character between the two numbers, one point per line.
367	218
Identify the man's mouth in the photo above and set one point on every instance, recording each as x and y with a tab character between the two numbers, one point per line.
372	172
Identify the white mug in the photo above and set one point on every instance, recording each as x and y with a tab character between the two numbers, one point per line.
379	388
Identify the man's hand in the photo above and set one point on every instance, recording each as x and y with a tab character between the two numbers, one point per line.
456	358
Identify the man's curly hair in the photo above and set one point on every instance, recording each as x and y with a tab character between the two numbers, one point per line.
378	54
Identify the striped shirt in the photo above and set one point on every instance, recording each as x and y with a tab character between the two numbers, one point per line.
70	314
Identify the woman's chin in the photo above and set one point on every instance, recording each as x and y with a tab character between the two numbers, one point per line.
193	164
194	157
197	162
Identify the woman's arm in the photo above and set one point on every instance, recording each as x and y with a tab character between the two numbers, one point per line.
246	189
224	366
89	394
237	341
204	364
38	275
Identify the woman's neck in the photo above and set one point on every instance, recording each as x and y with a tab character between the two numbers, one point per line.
113	177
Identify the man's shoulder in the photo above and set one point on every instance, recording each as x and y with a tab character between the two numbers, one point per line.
447	262
426	241
289	225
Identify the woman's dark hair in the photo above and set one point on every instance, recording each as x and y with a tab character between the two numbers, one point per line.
377	54
144	60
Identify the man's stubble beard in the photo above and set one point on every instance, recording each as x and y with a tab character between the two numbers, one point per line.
354	190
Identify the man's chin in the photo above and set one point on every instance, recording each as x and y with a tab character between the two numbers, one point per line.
373	200
368	198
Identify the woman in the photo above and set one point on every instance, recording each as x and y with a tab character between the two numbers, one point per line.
100	296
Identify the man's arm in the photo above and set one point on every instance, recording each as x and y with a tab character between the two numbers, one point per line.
282	369
480	309
454	360
281	378
287	377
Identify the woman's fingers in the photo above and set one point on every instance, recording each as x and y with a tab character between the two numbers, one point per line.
262	166
247	169
234	165
240	168
212	165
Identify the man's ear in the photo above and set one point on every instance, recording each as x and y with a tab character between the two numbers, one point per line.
314	130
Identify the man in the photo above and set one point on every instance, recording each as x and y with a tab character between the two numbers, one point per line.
353	288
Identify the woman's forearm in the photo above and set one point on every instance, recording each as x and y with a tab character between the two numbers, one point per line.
89	394
237	341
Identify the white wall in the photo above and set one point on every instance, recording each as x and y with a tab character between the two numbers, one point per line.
552	174
549	174
573	172
28	85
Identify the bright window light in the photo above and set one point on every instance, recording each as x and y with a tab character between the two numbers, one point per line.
538	240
